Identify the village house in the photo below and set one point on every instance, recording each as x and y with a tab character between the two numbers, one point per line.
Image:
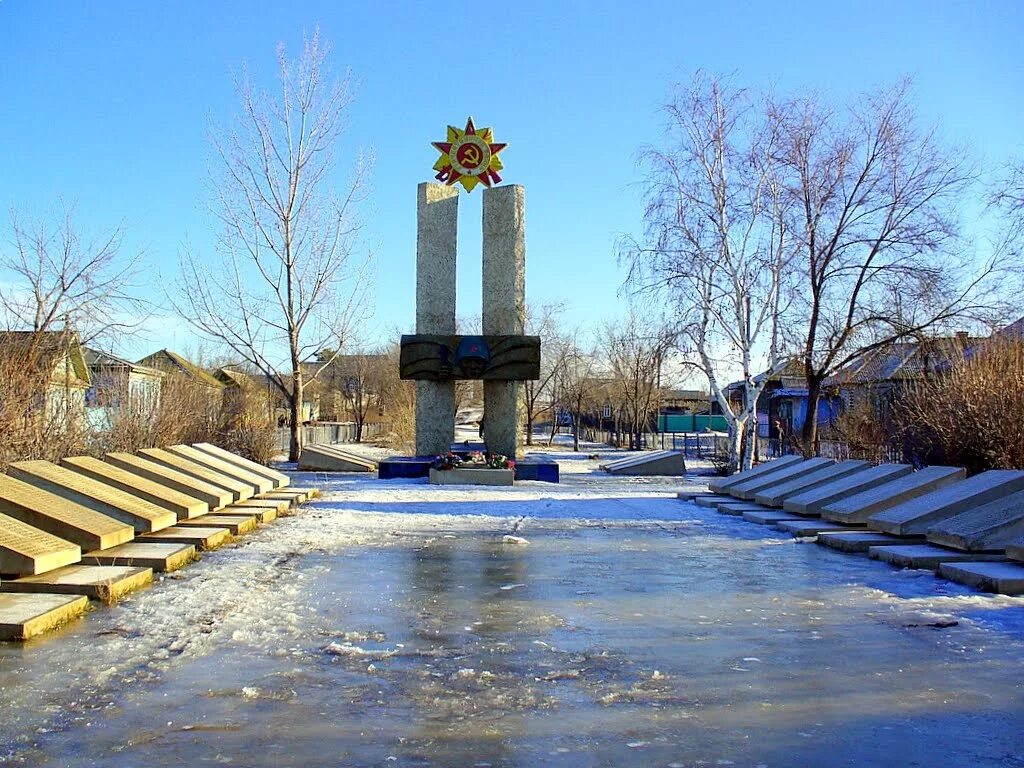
50	368
119	386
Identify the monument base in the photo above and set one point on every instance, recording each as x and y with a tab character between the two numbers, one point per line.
464	476
404	467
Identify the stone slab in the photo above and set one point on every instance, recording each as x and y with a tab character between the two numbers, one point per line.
294	495
106	583
1015	549
709	501
142	515
538	468
766	517
162	558
916	516
214	495
317	458
925	556
404	467
806	528
171	460
859	507
667	463
203	538
1004	578
24	616
722	484
62	518
750	488
812	501
738	510
182	505
259	482
237	524
856	541
775	495
634	459
280	479
25	550
692	494
471	476
986	528
264	514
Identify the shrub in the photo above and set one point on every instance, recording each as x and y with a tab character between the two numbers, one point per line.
973	414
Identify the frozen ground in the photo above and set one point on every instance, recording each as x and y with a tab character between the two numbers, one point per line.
600	622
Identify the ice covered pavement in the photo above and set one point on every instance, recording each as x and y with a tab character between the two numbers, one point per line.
600	622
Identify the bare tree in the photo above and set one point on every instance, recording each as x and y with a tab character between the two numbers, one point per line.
538	394
637	349
52	277
717	242
575	384
874	213
288	282
365	383
1007	199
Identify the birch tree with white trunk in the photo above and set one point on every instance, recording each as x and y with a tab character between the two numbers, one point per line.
717	243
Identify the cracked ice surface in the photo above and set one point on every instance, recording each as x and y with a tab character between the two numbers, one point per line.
601	622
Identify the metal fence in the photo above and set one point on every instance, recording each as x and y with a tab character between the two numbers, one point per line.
331	432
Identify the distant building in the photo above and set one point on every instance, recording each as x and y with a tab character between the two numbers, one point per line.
56	376
119	386
880	377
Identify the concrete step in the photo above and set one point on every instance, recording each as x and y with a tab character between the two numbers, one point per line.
24	616
144	516
749	489
106	583
1004	578
856	509
989	527
916	516
25	550
739	509
294	496
856	541
181	504
201	537
776	495
214	495
237	524
710	500
279	479
925	556
62	518
171	460
259	482
162	558
812	501
766	517
265	510
807	528
722	484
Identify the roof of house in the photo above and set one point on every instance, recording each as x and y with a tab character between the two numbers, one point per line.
685	394
232	378
96	360
49	346
901	361
171	362
341	367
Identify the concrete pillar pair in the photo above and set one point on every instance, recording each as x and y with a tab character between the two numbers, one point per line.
504	306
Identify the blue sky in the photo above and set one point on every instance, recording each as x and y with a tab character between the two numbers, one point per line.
108	104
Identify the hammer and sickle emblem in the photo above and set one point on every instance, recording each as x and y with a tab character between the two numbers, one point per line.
471	155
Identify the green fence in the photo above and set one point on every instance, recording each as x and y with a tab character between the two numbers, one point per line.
688	422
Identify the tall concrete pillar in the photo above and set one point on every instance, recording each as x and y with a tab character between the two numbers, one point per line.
437	217
504	304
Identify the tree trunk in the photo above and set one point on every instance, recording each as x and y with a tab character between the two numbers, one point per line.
809	434
529	424
295	420
735	446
